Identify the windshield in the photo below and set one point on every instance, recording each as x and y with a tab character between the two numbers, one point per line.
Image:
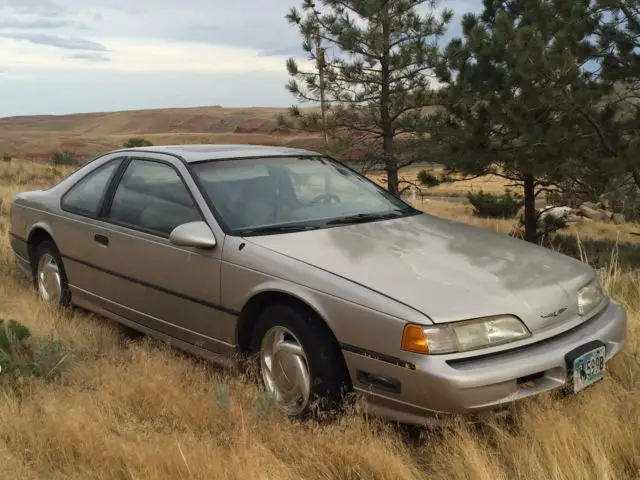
268	195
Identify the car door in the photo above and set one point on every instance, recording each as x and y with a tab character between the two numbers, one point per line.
75	229
143	277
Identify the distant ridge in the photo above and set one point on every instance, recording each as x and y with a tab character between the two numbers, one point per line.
35	137
211	119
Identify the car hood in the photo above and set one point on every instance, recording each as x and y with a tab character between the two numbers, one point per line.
447	270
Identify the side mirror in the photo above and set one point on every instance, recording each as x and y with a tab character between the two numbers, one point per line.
193	234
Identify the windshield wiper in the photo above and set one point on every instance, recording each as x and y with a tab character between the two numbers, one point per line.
277	229
366	217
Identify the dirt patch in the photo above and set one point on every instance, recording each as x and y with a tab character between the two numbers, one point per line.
37	156
72	145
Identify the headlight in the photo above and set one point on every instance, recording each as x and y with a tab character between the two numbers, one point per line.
590	296
463	336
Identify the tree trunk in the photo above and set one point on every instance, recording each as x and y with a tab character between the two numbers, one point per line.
385	115
392	178
321	66
636	177
390	164
530	217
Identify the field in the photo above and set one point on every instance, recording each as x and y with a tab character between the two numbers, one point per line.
36	138
488	183
135	409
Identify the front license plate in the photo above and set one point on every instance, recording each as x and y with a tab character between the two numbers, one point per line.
588	368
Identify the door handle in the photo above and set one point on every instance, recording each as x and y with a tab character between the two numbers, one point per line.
101	239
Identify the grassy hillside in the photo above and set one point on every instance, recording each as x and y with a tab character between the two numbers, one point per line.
127	409
36	137
191	120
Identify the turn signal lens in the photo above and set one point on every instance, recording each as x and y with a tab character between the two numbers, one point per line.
463	336
414	340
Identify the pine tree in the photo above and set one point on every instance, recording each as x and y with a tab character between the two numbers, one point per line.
376	60
518	93
619	41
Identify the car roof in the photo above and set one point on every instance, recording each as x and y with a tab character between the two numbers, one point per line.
199	153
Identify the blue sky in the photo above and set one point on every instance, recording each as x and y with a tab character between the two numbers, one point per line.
65	56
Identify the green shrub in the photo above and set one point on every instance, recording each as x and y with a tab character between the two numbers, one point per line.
428	179
134	142
21	355
221	396
64	157
488	205
50	358
13	353
265	406
6	158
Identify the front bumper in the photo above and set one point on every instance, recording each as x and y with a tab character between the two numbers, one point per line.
449	384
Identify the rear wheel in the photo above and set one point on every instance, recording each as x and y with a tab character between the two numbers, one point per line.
50	277
300	361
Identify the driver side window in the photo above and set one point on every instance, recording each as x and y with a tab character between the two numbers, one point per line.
314	182
307	186
153	198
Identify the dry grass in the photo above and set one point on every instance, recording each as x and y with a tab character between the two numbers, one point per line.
137	410
36	137
585	231
488	183
40	147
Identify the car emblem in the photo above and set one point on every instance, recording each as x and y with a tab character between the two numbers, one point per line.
554	314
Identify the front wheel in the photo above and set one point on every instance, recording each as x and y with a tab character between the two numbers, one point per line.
300	362
50	277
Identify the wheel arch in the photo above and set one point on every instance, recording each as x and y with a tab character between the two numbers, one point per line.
259	302
39	233
248	319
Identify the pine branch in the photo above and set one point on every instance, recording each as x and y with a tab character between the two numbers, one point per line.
603	138
543	190
408	186
362	51
357	128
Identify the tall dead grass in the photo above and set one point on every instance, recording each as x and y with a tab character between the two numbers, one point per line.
488	183
139	410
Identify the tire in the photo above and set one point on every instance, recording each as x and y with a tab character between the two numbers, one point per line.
53	286
328	379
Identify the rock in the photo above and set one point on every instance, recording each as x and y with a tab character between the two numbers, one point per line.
557	213
591	205
619	219
604	202
572	218
592	213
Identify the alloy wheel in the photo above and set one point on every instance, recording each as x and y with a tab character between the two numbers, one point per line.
284	369
49	282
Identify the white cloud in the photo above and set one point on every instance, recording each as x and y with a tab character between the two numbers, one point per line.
195	51
133	56
176	57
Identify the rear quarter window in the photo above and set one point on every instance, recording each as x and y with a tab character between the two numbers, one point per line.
85	196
